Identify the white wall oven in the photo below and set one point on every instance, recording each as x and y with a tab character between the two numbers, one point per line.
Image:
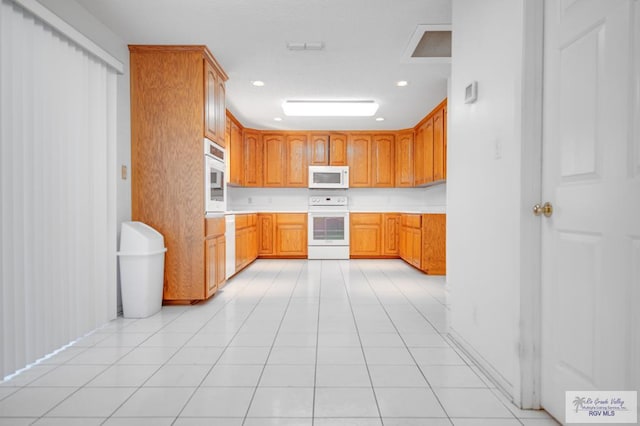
214	184
328	234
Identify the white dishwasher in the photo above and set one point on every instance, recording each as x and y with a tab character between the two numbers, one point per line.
230	242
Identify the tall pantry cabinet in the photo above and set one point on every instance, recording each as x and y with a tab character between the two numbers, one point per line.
177	99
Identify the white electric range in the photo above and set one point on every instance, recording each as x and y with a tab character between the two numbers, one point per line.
328	227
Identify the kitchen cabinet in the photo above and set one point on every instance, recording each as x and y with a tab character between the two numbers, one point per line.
374	235
365	235
391	232
383	161
291	235
282	235
285	160
404	159
328	149
252	158
439	145
296	162
359	159
214	101
215	254
234	155
266	245
246	240
411	239
423	148
274	151
434	248
173	107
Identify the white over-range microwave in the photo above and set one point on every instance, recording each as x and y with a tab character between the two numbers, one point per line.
329	177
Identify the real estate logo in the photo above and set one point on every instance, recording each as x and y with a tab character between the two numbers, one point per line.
601	406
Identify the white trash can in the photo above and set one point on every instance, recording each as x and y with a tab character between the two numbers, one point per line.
141	269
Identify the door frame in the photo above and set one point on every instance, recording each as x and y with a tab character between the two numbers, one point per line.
531	191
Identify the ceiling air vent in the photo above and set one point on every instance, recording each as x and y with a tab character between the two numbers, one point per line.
429	44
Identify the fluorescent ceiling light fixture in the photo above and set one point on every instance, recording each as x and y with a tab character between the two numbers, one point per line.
258	83
402	83
330	108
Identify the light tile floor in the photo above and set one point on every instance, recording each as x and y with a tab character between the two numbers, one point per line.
286	342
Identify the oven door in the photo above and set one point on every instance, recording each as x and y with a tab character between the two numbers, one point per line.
214	185
328	228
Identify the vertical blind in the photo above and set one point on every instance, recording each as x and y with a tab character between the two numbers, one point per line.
57	189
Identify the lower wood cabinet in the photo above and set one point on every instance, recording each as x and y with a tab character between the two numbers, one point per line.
282	235
246	240
373	235
215	255
434	247
411	239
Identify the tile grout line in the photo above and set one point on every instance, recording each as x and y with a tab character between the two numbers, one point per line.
366	363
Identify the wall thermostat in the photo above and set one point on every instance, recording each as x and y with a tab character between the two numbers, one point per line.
471	93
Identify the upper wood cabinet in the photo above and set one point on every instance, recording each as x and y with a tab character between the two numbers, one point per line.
214	101
295	159
328	149
319	149
423	149
430	147
383	160
253	158
234	153
274	154
404	159
285	161
439	145
173	106
359	159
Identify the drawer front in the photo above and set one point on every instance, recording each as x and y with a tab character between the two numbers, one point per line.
214	227
411	220
242	221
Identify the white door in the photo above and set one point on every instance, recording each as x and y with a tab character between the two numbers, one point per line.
591	175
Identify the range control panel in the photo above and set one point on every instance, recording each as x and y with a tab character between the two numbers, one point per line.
319	200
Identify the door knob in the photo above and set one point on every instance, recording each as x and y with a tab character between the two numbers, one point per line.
545	209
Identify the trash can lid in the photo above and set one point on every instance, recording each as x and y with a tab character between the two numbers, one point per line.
140	238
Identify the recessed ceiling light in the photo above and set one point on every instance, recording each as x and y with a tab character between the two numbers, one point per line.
380	119
330	108
277	119
258	83
402	83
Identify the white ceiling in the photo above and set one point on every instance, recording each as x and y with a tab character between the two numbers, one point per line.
364	40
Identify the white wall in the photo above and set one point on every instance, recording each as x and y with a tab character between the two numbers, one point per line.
83	21
484	185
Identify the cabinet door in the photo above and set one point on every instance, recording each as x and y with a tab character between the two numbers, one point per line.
391	223
274	150
359	154
296	161
404	159
253	158
434	247
438	145
252	242
383	160
365	234
319	150
338	149
291	235
210	87
221	259
211	262
265	235
221	110
423	147
241	248
234	153
416	249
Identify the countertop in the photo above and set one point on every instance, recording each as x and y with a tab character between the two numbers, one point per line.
434	210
